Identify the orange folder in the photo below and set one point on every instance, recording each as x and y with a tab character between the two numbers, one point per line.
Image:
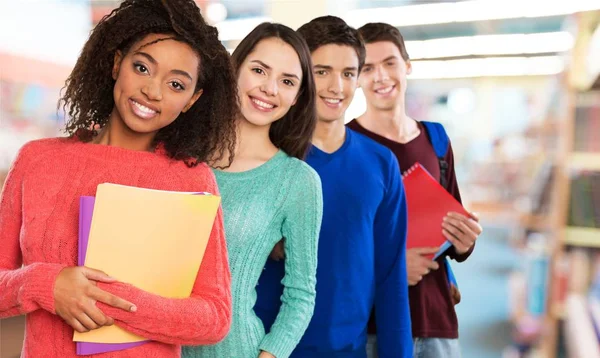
428	203
152	239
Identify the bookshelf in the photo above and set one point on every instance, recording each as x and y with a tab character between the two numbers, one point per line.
585	161
574	228
561	223
582	237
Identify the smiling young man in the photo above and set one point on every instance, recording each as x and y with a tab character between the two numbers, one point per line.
361	255
383	81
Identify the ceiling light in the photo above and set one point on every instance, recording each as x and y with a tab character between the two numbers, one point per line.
467	11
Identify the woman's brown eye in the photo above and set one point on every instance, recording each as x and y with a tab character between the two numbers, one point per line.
178	86
141	68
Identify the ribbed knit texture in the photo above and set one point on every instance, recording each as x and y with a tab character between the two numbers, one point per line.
281	198
39	211
362	256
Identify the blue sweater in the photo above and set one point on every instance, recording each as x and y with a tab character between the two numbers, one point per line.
361	256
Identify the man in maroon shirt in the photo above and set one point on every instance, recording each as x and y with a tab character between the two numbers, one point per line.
383	81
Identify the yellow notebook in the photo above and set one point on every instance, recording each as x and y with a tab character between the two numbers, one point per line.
152	239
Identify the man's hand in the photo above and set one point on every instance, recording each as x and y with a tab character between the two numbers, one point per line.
417	265
278	252
461	231
454	294
264	354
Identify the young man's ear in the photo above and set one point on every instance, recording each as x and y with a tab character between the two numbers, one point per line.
408	67
192	100
117	64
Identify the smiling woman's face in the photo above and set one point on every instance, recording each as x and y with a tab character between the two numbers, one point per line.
269	81
155	82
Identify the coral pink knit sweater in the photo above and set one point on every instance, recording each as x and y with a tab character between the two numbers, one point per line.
38	238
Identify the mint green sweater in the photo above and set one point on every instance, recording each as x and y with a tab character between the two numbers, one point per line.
281	198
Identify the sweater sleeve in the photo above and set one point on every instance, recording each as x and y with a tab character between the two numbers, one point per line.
203	318
453	189
24	288
394	336
301	229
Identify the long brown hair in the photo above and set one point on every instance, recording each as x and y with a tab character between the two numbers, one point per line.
293	132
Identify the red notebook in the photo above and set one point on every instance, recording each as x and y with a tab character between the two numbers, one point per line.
428	203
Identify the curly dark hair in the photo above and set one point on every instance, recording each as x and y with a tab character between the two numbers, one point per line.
329	29
294	131
206	132
379	31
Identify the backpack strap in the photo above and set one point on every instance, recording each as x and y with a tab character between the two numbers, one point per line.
440	142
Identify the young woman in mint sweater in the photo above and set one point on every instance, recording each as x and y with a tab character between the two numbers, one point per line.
269	193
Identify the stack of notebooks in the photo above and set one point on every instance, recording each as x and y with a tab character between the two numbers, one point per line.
128	232
428	203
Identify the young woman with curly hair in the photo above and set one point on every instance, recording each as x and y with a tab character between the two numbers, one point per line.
151	100
269	192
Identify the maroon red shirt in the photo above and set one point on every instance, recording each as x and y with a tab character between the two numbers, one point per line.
431	309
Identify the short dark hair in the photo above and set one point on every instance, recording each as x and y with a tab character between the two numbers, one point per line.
327	30
293	132
206	132
379	31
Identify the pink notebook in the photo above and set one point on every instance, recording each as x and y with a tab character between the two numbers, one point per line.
86	209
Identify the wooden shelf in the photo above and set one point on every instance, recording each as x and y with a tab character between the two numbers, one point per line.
572	93
490	207
582	236
538	222
584	161
546	347
559	311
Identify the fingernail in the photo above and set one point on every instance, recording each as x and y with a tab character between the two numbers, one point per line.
133	308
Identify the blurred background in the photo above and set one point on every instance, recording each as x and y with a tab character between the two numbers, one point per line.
514	82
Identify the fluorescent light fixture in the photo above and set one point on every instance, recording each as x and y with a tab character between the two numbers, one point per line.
487	67
489	45
485	45
239	28
593	57
467	11
470	68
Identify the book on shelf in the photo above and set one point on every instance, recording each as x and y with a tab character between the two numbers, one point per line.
583	303
587	124
584	210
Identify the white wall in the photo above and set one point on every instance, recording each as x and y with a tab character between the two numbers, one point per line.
50	30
